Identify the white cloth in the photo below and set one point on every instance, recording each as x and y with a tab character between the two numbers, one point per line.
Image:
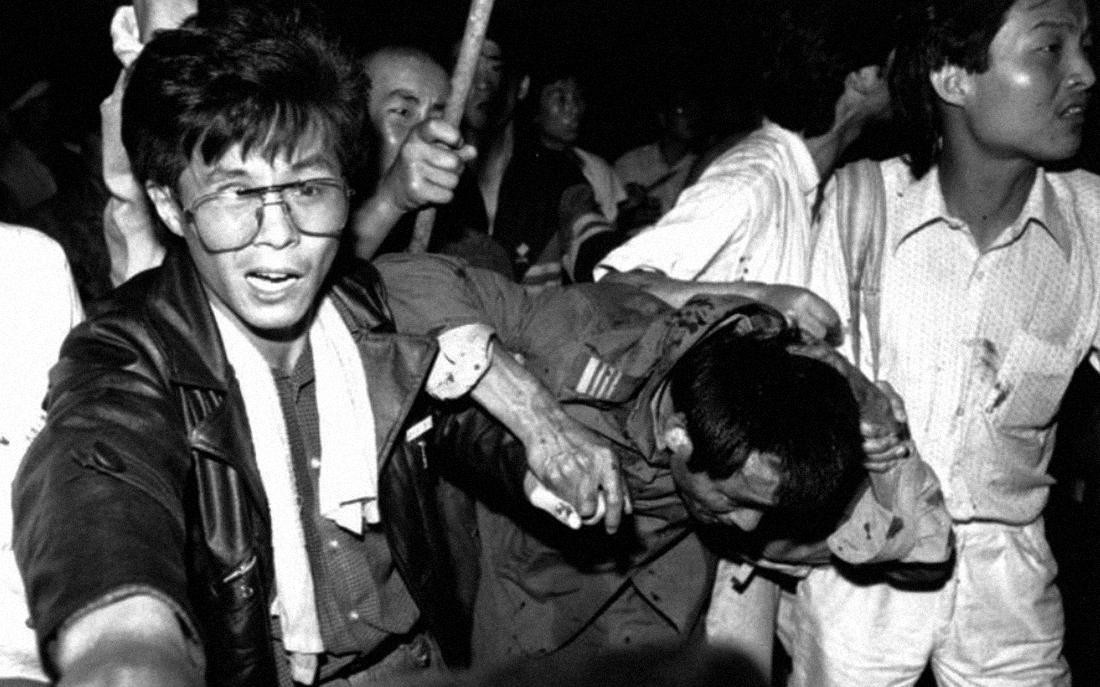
125	35
348	483
605	183
645	166
464	356
748	218
996	622
38	306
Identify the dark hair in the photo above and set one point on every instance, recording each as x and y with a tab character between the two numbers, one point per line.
937	33
817	43
244	75
742	395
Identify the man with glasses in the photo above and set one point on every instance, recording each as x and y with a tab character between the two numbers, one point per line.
235	484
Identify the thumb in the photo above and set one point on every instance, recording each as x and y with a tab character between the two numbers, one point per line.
542	498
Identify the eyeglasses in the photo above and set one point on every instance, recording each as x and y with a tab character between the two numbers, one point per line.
229	220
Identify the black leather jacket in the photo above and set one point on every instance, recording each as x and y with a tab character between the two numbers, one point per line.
143	477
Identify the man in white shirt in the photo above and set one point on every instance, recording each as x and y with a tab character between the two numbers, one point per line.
989	302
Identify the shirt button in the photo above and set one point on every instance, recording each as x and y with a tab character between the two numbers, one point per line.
959	411
353	615
333	544
315	463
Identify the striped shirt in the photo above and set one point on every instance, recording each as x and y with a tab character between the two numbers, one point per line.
982	345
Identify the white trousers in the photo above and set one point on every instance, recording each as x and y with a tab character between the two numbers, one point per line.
997	622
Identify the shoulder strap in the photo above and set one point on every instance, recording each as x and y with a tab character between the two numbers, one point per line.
861	222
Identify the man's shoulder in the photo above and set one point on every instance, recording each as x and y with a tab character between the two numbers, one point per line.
1082	184
21	243
762	153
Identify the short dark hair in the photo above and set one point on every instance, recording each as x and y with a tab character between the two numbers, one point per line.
742	395
937	33
817	43
244	75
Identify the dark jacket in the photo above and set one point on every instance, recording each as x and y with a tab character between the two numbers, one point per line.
144	476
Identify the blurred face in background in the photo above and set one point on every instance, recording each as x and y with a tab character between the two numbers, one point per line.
561	106
405	89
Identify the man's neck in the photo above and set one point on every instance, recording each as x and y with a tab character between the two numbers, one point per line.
672	150
280	350
985	193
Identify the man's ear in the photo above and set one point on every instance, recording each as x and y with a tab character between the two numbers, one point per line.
675	437
164	200
951	83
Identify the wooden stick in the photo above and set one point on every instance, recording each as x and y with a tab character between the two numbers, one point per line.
476	25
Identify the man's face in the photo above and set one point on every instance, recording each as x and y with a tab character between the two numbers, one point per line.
740	499
560	109
482	104
1031	101
684	118
269	285
405	90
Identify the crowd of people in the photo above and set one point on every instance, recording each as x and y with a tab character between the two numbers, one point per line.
745	407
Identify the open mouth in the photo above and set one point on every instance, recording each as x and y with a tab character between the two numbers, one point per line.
1074	111
271	280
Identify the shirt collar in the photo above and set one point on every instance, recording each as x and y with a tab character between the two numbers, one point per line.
922	204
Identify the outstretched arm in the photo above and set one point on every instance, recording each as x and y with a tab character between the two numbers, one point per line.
430	294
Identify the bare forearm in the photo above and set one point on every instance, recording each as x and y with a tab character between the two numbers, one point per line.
517	400
577	467
372	223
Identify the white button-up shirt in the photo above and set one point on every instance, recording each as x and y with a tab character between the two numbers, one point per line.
982	345
748	218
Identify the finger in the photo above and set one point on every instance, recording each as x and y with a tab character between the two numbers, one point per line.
542	498
467	153
439	132
614	502
611	482
897	405
885	444
601	511
884	460
872	430
628	502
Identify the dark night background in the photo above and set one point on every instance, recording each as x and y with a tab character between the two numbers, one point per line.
626	50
